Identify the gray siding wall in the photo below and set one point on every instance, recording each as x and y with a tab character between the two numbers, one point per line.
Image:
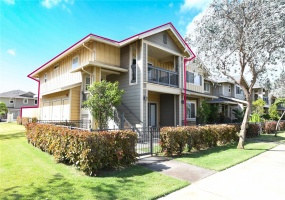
167	110
131	96
18	103
144	64
177	109
158	39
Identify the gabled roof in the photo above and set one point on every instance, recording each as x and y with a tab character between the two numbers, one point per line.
17	94
171	30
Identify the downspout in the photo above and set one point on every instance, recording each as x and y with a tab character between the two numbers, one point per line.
185	61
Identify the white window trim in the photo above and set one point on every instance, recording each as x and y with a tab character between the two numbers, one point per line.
73	66
195	103
12	101
229	89
130	65
24	101
241	91
35	101
85	83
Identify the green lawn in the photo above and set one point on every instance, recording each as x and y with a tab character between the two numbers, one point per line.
223	157
28	173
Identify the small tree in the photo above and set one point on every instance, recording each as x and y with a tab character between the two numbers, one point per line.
239	114
273	113
204	112
3	109
103	97
258	107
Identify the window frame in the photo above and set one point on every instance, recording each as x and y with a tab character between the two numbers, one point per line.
35	101
131	70
45	77
25	101
73	66
238	88
195	110
85	83
11	100
230	89
207	84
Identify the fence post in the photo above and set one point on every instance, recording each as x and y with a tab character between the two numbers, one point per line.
151	141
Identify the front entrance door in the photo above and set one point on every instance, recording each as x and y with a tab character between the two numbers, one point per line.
152	114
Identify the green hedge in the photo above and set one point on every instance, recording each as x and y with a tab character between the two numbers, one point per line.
174	139
270	127
88	151
253	130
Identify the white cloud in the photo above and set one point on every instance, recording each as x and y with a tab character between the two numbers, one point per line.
52	3
194	4
10	1
11	52
191	26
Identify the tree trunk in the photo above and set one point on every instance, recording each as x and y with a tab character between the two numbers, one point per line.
277	125
242	132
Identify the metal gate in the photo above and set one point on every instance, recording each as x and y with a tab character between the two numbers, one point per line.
148	141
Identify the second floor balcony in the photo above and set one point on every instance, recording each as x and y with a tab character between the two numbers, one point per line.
162	76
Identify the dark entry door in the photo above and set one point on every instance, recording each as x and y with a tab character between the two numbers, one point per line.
152	114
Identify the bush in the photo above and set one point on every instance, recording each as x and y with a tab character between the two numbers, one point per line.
253	130
88	151
270	127
174	139
25	120
282	126
19	120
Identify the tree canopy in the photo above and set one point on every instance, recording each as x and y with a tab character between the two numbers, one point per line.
3	108
241	39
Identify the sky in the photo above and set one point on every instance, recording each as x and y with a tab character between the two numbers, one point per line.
34	31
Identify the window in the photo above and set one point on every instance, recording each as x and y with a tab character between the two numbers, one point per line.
35	101
75	62
133	64
238	90
87	82
56	70
165	38
11	101
191	110
25	101
207	87
193	78
189	77
230	88
45	77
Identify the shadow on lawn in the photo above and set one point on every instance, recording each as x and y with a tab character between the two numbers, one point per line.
11	136
55	188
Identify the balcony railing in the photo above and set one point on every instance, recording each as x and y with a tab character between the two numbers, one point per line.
162	76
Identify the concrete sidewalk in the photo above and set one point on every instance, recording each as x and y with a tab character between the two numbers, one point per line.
175	169
262	177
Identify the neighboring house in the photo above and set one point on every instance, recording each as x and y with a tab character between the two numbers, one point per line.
148	66
260	92
16	99
230	97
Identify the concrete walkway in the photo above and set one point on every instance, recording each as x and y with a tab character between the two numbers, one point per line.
262	177
175	169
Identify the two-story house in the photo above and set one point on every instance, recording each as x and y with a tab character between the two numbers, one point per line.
148	66
16	99
230	96
259	92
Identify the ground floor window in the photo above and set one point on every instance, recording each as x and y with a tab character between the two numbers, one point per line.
191	109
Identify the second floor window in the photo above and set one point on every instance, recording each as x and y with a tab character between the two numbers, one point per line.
87	82
45	77
238	90
207	87
75	62
11	101
193	78
230	89
25	101
36	102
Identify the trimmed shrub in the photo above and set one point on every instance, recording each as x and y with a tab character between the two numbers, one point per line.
282	126
88	151
270	127
25	120
19	120
252	130
174	139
